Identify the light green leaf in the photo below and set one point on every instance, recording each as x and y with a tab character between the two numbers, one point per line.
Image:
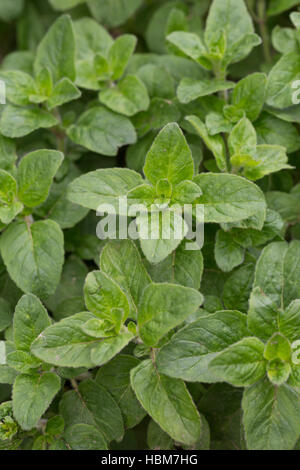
129	97
158	80
241	364
277	272
103	296
230	16
34	255
263	315
271	416
188	353
271	158
280	80
35	175
17	122
242	143
228	253
56	51
190	89
19	86
160	233
120	53
122	262
9	205
289	321
249	95
168	403
189	43
30	319
32	395
65	344
169	157
102	131
63	92
103	187
214	143
163	307
228	198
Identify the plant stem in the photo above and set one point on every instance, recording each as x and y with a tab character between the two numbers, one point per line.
262	22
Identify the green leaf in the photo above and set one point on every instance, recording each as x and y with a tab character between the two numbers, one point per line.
129	97
9	205
271	130
95	406
278	371
103	187
233	18
278	6
19	86
120	53
8	154
85	437
160	233
63	92
65	344
6	316
9	11
189	43
23	362
168	403
158	80
113	12
284	40
35	175
238	288
121	261
263	314
115	377
34	255
102	131
190	89
278	347
271	416
103	296
214	143
228	198
30	319
228	253
17	122
280	80
56	51
270	158
160	113
249	95
62	5
241	364
169	157
32	395
277	272
242	141
157	439
289	321
163	307
188	353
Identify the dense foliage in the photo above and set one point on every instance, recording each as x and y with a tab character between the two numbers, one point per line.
150	343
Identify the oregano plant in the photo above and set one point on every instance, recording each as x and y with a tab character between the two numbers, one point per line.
149	225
